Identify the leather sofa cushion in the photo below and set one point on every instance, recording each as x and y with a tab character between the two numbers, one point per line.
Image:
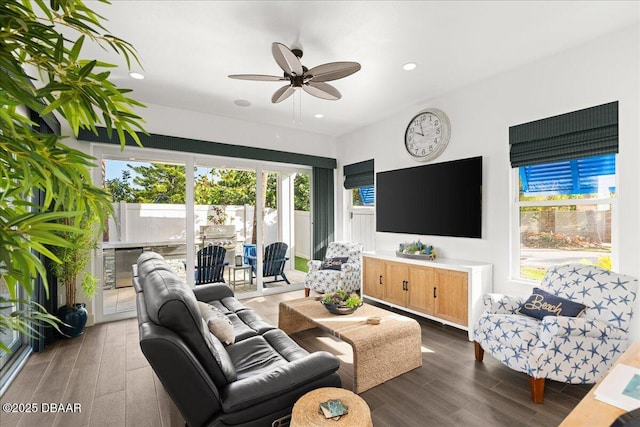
170	303
254	356
228	305
241	329
263	353
284	345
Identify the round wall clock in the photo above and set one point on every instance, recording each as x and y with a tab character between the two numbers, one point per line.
427	134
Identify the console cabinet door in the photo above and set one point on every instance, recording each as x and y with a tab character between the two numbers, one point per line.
422	281
452	296
374	279
395	284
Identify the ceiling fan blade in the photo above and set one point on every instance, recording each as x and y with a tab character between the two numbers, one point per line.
259	77
283	93
332	71
322	90
289	63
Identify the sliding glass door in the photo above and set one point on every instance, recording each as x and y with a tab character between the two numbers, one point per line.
150	215
178	203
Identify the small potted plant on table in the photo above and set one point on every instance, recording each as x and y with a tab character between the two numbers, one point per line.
341	302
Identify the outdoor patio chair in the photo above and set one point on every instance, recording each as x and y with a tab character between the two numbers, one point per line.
275	257
210	268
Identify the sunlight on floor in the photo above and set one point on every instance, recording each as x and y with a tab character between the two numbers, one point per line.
424	349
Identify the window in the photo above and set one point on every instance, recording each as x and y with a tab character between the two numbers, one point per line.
564	214
359	181
363	196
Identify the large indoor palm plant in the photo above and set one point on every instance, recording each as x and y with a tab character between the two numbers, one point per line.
72	269
42	70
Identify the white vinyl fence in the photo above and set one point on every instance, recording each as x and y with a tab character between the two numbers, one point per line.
159	222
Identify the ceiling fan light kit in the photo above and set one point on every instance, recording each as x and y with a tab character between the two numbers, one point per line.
313	81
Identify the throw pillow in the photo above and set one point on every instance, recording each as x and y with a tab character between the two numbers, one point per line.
542	303
218	323
333	263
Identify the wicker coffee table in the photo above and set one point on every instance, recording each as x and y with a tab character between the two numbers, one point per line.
380	352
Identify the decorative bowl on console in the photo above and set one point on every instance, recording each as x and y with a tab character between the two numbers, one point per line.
416	250
341	302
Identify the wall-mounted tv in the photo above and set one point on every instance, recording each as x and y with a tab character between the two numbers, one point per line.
441	199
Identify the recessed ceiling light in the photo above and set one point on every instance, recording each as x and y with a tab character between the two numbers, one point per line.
242	103
319	116
136	76
409	66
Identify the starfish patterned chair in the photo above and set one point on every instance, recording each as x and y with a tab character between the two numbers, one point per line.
339	270
575	350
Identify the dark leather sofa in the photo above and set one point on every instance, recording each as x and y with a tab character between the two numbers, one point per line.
252	382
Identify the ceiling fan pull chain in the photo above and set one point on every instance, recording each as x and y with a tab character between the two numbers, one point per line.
299	92
297	112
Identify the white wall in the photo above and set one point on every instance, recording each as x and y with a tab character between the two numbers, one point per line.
601	71
189	124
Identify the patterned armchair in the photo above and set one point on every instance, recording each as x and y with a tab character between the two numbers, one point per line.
346	277
576	350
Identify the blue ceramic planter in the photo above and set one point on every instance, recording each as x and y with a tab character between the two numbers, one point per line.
75	319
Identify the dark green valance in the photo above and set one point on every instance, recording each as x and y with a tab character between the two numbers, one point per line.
358	174
189	145
583	133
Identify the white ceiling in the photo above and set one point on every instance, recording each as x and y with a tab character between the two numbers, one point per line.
187	49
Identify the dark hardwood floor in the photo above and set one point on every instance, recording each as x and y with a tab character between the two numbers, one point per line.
105	371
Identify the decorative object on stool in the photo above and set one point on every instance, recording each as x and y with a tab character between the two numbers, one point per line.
333	408
341	302
416	250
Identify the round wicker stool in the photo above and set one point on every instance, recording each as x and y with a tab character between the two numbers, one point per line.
305	411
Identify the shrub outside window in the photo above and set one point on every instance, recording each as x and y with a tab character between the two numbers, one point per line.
565	214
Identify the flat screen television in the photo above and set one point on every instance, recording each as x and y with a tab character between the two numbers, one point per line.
441	199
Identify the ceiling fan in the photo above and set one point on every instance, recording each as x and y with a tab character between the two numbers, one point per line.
311	80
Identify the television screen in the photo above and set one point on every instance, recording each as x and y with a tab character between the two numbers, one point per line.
441	199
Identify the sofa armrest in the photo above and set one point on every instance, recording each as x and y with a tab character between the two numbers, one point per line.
560	326
501	304
247	392
212	291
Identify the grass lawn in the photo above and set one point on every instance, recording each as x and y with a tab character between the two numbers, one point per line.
301	264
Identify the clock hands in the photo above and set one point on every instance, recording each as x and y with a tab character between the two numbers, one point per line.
421	133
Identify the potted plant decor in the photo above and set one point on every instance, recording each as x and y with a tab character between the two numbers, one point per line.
74	260
341	302
43	42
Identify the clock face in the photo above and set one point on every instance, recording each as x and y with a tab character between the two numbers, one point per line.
427	134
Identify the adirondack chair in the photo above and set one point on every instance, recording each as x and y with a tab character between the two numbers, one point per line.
210	268
275	257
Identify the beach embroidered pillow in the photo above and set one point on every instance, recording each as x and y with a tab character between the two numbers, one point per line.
218	323
542	303
333	263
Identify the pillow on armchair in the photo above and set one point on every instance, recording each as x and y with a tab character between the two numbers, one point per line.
333	263
541	304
